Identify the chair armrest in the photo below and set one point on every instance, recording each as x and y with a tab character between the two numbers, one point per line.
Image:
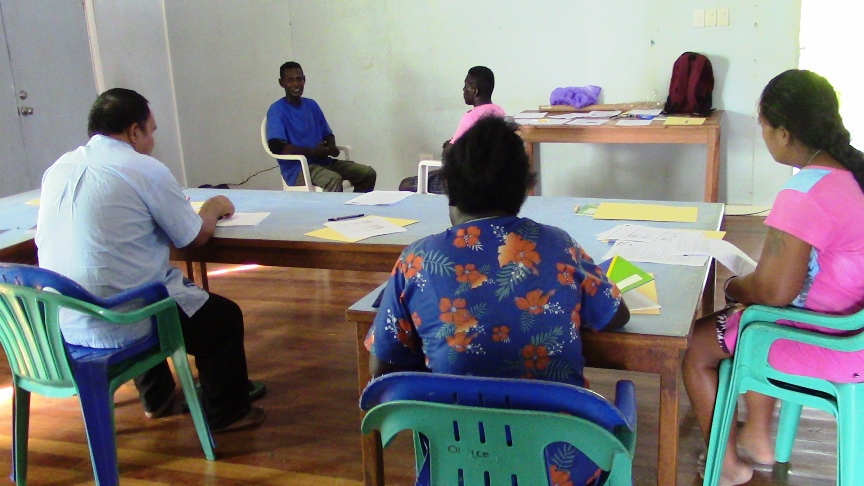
761	313
346	150
150	292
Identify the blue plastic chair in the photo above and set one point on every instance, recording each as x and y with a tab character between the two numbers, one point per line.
491	431
41	362
749	369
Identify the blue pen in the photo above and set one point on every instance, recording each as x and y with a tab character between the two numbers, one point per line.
340	218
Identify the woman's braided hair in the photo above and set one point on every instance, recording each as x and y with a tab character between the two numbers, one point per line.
805	104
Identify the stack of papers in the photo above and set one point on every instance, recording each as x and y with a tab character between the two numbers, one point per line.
683	120
587	122
237	219
526	115
638	288
542	121
676	247
242	219
626	275
353	230
652	112
380	198
632	122
647	212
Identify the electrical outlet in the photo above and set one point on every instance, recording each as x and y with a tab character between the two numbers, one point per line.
426	157
723	17
698	18
711	17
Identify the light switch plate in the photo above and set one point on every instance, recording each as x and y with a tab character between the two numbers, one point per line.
698	18
722	17
711	17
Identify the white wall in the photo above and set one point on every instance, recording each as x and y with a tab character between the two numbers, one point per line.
226	60
133	53
388	74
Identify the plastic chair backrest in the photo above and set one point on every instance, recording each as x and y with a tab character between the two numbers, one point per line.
423	174
30	334
749	369
490	430
304	163
42	362
472	391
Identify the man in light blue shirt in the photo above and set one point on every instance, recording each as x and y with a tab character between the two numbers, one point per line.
296	126
108	215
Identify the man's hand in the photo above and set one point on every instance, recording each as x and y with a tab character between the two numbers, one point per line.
217	207
332	151
322	150
213	209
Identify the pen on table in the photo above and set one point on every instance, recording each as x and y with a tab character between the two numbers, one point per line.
340	218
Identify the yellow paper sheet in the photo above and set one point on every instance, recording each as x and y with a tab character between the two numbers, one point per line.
331	234
33	202
196	205
683	120
648	290
646	212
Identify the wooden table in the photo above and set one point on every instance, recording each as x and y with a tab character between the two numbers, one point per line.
17	218
707	134
649	343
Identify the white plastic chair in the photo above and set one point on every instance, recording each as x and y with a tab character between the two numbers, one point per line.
423	175
304	164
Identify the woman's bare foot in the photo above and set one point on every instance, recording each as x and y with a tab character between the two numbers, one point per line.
735	471
756	446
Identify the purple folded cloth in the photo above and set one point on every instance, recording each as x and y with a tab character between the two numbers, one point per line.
577	97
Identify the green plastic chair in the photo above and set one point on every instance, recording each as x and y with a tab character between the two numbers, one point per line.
748	370
41	362
493	431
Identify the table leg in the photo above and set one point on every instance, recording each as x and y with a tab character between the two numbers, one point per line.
667	450
710	286
533	165
373	453
712	166
197	272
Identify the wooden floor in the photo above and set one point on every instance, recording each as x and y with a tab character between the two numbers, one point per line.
298	342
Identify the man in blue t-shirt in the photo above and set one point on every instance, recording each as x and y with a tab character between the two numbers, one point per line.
296	126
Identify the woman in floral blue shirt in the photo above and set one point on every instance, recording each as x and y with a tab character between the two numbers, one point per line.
494	295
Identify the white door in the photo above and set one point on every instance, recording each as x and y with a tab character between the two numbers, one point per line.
46	87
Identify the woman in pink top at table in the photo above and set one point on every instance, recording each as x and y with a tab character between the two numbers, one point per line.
477	92
811	259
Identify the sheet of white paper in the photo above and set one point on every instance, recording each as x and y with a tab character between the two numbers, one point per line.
361	228
653	252
636	232
379	198
653	112
570	116
532	114
543	121
587	122
243	219
726	253
633	123
603	114
636	301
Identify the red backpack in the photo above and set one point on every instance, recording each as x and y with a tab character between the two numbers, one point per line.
691	85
